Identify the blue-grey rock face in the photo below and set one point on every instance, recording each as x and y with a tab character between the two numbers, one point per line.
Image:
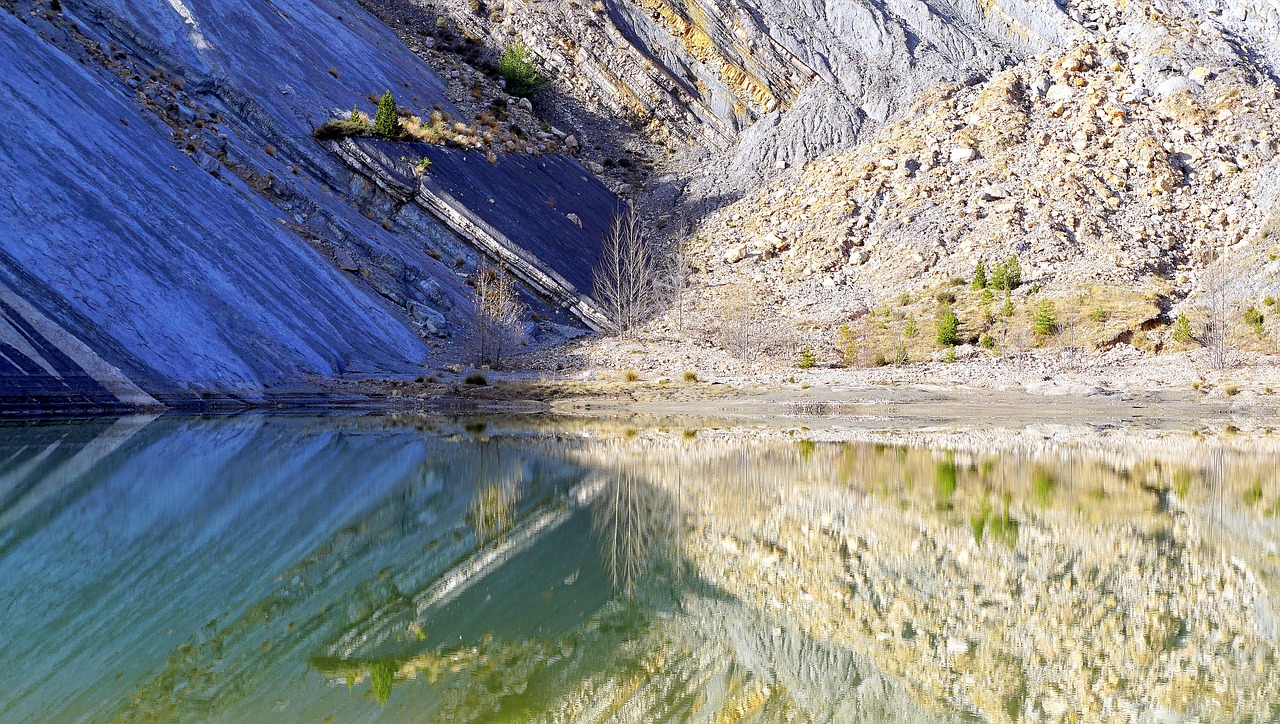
180	280
178	233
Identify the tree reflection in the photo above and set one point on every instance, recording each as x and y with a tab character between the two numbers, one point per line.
637	526
493	509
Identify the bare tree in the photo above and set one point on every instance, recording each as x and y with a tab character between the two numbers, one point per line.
677	262
498	311
626	273
1217	302
742	327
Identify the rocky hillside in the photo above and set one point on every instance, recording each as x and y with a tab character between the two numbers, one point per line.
1130	170
1115	171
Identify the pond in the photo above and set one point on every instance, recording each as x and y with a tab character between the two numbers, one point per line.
468	568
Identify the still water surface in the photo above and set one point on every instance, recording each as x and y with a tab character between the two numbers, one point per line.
292	568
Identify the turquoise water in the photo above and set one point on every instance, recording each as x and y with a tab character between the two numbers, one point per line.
352	568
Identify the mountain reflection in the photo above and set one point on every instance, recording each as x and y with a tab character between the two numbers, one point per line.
409	568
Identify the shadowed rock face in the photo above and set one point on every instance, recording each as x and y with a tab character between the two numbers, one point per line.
183	282
542	217
169	211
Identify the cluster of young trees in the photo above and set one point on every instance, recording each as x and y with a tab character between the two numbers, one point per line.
1005	276
634	278
626	274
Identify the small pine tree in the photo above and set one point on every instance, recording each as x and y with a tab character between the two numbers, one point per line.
1046	319
948	328
807	359
911	330
522	76
1012	273
1182	330
387	122
1007	275
1255	320
1008	304
999	280
356	116
900	356
980	276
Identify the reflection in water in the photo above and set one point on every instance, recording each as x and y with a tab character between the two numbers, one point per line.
494	507
637	526
476	570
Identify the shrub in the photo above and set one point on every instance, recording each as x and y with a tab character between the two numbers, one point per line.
332	130
980	276
1099	315
387	122
1182	330
987	342
1231	390
1254	319
881	361
631	375
807	359
1008	305
1046	319
950	355
523	78
904	299
1270	301
948	328
945	297
477	379
690	376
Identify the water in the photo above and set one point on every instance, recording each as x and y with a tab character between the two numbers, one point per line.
352	568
